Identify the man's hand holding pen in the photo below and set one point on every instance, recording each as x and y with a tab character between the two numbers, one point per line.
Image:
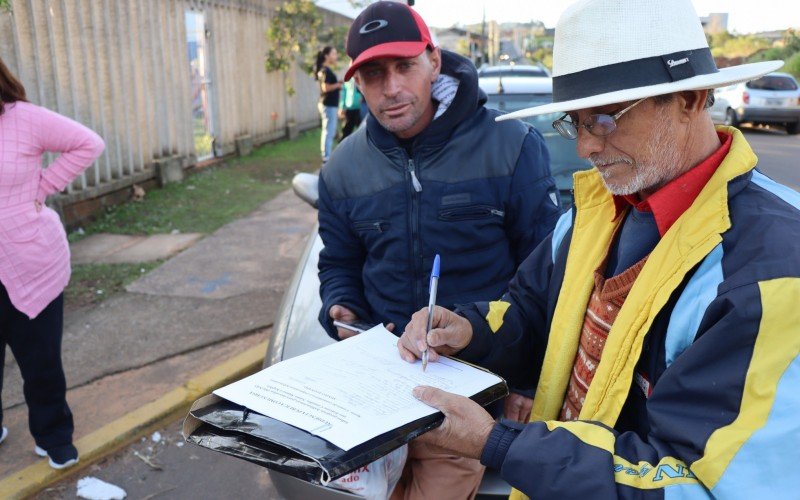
449	334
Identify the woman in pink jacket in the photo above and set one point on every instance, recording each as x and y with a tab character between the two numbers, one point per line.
34	258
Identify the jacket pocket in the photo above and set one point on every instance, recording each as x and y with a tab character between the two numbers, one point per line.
377	225
470	212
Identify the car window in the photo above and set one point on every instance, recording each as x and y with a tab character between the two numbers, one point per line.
511	71
514	102
773	82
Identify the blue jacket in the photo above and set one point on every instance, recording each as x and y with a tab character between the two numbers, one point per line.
477	192
696	393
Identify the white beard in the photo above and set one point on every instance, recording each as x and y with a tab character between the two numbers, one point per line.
661	166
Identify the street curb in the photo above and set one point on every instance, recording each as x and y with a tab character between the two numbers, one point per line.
108	439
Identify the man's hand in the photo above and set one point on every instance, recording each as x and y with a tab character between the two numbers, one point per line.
466	425
345	315
449	334
517	407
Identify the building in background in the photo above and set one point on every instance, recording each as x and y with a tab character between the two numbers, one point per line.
469	43
716	22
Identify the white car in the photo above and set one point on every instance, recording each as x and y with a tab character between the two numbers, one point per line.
773	99
515	87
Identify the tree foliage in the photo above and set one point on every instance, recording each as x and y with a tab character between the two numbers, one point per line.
5	5
542	55
292	36
732	46
788	51
791	41
334	36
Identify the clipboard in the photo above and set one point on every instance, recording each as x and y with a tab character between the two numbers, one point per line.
232	429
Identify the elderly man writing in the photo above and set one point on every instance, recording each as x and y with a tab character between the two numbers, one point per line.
660	319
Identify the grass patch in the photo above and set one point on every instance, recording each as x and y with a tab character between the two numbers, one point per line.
203	203
93	283
214	196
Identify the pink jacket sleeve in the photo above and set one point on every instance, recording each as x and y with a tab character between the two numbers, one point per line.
78	145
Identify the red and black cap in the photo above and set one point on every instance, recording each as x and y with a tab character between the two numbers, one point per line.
386	29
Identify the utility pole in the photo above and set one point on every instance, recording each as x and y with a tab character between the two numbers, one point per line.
483	36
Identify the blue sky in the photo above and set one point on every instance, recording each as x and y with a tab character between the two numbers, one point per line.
743	16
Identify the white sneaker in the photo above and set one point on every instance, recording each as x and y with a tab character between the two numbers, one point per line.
3	434
67	456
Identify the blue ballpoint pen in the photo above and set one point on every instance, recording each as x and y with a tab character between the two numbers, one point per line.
431	303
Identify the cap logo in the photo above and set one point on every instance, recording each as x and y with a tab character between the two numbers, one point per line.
373	26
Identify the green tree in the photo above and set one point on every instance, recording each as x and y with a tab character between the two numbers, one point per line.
292	36
542	55
793	65
770	54
737	46
718	39
5	5
334	36
788	51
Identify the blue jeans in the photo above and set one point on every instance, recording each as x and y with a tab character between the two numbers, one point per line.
329	123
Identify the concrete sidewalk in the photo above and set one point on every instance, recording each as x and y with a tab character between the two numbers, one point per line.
126	358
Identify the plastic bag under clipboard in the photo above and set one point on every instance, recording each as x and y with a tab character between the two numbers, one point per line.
226	427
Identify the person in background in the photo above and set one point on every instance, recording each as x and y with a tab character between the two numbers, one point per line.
34	258
350	108
328	106
430	173
661	318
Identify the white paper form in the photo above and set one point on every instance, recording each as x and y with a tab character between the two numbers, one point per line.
352	391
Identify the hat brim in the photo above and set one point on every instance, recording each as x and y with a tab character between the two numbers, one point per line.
724	77
391	49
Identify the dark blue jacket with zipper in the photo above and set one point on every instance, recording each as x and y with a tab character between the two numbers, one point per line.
477	192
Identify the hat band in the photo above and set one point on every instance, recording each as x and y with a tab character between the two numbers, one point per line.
632	74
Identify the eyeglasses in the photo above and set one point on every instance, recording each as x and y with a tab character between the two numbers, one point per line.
599	125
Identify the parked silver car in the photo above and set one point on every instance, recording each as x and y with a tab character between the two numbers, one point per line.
296	330
773	99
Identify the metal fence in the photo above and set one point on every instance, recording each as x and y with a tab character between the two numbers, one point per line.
122	67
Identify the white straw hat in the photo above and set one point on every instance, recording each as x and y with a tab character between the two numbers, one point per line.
610	51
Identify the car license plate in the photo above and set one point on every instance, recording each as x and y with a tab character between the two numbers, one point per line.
776	102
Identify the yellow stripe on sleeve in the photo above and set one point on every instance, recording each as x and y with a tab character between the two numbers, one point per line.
777	344
497	311
643	475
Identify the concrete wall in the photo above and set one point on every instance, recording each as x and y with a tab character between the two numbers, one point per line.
121	68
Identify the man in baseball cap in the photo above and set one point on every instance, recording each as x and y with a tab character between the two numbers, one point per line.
430	173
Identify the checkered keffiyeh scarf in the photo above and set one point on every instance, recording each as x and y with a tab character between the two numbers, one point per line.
444	91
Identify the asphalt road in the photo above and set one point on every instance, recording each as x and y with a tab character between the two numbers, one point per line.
171	469
778	154
188	472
